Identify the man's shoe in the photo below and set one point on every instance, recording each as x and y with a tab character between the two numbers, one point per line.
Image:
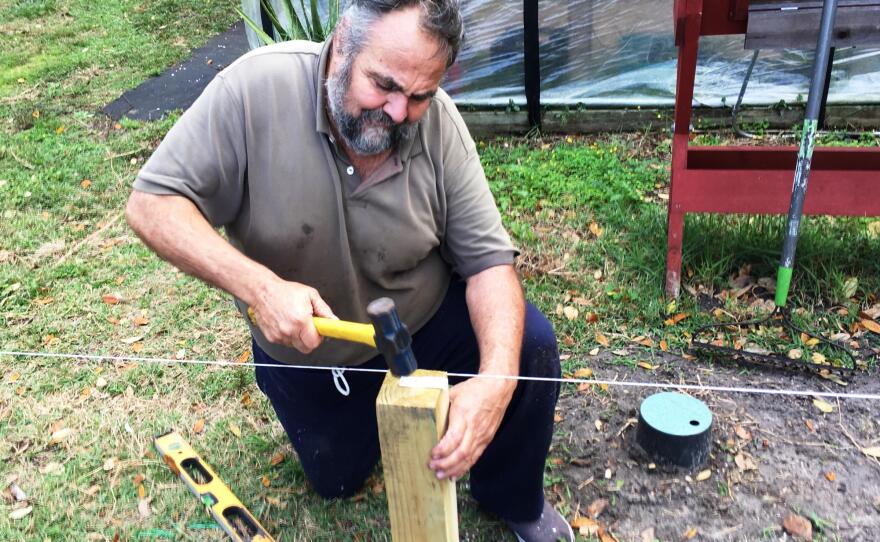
549	527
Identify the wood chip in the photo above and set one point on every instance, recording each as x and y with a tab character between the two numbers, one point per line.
144	508
20	513
798	526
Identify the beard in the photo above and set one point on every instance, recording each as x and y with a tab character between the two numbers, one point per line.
371	132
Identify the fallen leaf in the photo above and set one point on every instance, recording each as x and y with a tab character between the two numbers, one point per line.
704	475
850	286
17	493
603	340
141	492
645	365
598	424
109	465
647	342
679	317
199	426
795	353
594	352
85	184
586	372
140	320
132	340
742	432
20	513
60	436
246	399
585	526
690	533
810	426
798	527
744	462
818	358
595	229
138	479
111	299
620	352
828	375
235	430
596	508
137	347
277	459
591	317
664	346
557	418
265	481
830	476
52	468
101	382
871	326
244	357
144	508
823	406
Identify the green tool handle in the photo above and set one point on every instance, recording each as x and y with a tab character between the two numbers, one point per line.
805	154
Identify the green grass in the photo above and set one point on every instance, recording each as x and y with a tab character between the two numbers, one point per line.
588	213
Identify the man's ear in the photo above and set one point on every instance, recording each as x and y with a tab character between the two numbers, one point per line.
338	39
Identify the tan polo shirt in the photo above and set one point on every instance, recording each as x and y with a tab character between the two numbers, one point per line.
256	155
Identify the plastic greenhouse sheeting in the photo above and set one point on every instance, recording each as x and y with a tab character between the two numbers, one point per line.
621	53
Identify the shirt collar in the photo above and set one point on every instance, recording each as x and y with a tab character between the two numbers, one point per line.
407	148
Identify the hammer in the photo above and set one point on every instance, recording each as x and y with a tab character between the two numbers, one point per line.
386	333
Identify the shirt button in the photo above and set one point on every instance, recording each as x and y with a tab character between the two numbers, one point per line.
350	170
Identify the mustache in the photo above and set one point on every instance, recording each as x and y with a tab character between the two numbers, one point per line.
379	117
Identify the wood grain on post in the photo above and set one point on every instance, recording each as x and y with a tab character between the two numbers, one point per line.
412	417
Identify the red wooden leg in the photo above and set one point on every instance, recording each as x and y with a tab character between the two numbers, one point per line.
674	233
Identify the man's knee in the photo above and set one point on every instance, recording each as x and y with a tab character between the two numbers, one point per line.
540	353
337	482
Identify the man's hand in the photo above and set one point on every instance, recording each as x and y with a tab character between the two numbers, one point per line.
476	409
284	311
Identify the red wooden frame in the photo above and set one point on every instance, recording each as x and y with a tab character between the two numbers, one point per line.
748	180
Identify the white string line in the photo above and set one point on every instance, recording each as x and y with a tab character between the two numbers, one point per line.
620	383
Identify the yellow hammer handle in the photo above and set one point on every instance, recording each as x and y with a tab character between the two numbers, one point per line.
349	331
338	329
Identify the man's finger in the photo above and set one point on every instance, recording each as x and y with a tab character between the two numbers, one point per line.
320	308
449	443
309	336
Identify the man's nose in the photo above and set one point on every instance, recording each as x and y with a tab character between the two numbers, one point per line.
396	107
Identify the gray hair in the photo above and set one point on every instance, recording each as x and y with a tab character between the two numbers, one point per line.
440	18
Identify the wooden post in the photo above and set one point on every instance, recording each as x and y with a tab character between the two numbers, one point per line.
412	417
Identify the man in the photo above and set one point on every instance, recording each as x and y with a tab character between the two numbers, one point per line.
340	173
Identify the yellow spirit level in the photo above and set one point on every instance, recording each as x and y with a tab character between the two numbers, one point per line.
227	510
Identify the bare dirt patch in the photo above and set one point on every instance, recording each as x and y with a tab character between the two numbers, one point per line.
772	456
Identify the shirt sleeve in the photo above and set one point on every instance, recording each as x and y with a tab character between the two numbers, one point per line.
474	239
203	156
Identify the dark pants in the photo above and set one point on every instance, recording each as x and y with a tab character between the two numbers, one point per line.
337	440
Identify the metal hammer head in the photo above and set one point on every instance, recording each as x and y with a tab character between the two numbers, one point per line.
392	337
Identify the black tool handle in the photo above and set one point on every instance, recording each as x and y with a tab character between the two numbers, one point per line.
392	337
805	154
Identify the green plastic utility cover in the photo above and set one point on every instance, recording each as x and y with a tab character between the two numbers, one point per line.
676	414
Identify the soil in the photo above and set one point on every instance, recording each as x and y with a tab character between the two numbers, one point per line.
772	456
